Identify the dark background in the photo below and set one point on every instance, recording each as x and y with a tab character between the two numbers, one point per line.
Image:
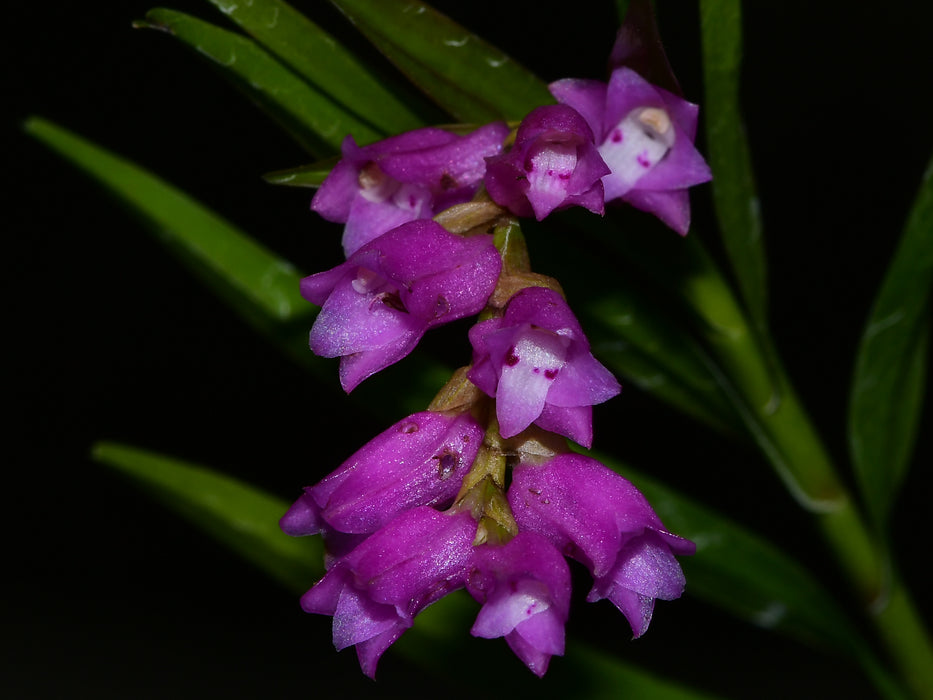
107	595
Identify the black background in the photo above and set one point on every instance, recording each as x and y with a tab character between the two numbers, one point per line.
107	595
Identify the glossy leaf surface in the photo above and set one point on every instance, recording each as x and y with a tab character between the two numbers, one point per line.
245	519
441	632
260	287
311	117
741	572
734	193
311	175
464	75
238	515
248	275
887	389
325	63
640	315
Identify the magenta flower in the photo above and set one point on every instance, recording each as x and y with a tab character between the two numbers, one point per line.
537	364
554	164
378	304
419	461
645	135
411	176
377	589
592	514
524	587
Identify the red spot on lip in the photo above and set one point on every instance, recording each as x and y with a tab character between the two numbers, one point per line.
511	359
643	160
550	373
617	136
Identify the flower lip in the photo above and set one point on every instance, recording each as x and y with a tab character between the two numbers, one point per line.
595	516
524	587
536	362
552	165
375	590
645	134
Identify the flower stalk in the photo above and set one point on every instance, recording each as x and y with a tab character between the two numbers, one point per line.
774	415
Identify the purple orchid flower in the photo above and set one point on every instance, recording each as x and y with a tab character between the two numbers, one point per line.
377	589
419	461
411	176
537	364
554	164
524	587
594	515
645	135
378	304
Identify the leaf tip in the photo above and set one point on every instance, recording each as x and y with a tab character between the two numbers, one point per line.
103	451
33	124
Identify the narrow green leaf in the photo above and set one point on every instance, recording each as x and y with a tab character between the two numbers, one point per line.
313	118
326	64
641	342
621	9
887	389
260	287
734	194
748	576
245	519
252	279
240	516
633	328
442	632
469	78
311	175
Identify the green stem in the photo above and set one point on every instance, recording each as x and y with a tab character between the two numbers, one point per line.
778	421
908	641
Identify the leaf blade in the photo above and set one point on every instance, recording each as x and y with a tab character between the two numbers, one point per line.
310	116
324	63
466	76
441	632
746	575
636	326
887	386
257	282
734	192
238	515
245	519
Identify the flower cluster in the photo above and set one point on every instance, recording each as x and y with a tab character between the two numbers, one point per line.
480	491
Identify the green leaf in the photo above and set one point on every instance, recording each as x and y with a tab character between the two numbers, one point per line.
258	284
734	194
311	117
887	389
240	516
749	577
326	64
621	9
641	342
260	287
311	175
245	519
442	632
639	325
469	78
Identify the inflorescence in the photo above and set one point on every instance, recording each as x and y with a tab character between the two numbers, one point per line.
481	491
